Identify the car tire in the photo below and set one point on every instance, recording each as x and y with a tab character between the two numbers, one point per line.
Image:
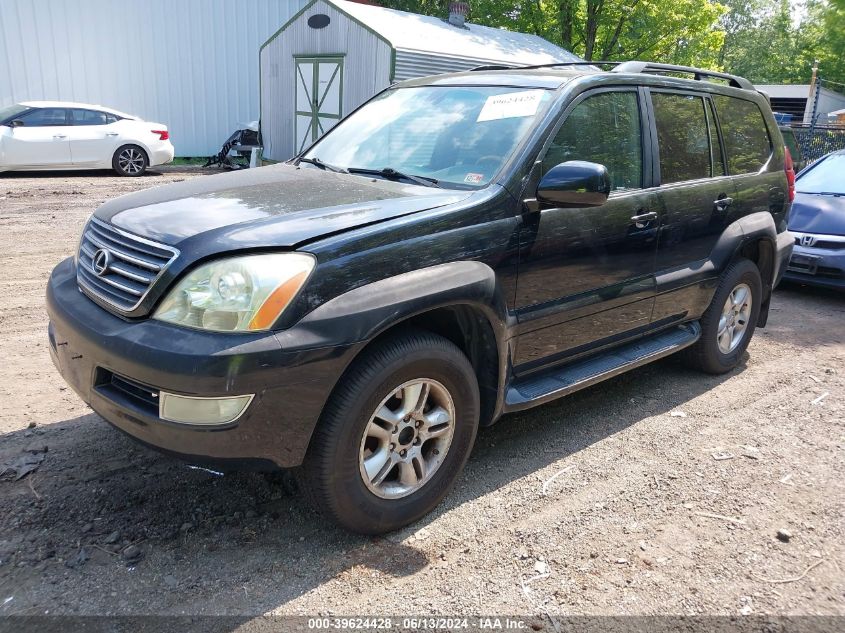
341	475
130	160
729	321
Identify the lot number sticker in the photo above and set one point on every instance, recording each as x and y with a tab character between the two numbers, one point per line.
513	104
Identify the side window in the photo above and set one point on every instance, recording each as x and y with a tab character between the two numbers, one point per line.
715	144
88	117
604	129
45	117
111	118
745	134
681	137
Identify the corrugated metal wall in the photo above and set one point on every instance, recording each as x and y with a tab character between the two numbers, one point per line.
190	64
366	70
411	64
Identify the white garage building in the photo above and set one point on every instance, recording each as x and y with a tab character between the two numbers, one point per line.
191	64
334	55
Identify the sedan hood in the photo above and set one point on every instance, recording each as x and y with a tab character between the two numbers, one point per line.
280	205
812	213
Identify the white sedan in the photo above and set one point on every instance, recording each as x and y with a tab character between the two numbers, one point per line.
37	135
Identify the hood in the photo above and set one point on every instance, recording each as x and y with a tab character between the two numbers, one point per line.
280	205
812	213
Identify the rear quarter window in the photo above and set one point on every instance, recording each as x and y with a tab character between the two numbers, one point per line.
745	134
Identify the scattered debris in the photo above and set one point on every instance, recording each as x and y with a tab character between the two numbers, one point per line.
217	473
784	535
132	554
821	398
720	456
678	414
794	579
814	379
621	561
722	517
112	538
541	568
8	600
22	466
555	476
31	425
80	559
785	479
38	447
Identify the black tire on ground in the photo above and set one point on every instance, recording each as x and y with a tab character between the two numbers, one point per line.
130	160
331	477
706	354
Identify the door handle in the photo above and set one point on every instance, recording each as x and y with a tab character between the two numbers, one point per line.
644	218
722	203
59	135
111	133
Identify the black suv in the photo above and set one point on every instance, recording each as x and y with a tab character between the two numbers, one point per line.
459	247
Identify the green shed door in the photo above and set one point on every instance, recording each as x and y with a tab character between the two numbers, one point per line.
319	89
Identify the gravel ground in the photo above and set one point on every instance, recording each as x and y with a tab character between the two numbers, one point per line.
661	491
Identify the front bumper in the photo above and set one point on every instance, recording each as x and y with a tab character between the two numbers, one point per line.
817	266
90	347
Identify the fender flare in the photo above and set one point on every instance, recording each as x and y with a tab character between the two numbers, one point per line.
363	313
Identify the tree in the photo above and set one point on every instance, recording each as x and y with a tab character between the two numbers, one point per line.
676	31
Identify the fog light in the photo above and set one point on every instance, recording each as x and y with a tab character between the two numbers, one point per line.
205	411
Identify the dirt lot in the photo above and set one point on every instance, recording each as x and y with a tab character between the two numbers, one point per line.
661	491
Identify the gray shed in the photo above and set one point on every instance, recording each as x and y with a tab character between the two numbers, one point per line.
333	55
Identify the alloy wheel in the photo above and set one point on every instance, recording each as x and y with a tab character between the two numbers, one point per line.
736	314
406	439
131	161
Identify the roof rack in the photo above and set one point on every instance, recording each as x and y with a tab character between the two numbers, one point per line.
697	73
636	67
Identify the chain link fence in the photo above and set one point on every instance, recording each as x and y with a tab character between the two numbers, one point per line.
816	141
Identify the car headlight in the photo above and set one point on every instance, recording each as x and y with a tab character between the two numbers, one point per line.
246	293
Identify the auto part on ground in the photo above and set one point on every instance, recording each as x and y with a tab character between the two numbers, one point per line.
242	142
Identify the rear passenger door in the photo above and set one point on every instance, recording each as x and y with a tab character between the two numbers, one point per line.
756	169
93	137
698	197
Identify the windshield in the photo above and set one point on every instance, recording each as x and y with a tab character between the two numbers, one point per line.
826	177
11	111
453	135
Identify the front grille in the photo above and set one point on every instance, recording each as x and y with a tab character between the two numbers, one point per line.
119	268
831	245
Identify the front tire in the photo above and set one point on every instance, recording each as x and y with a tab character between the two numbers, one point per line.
729	322
395	434
130	160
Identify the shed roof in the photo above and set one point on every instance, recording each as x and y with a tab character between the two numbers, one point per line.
429	34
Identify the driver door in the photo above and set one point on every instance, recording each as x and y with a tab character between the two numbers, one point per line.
586	275
42	140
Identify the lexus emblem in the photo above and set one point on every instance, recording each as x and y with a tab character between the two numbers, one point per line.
808	240
100	262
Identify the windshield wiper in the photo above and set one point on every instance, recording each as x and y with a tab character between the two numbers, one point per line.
316	161
389	172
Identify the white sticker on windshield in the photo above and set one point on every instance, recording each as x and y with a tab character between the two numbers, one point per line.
512	104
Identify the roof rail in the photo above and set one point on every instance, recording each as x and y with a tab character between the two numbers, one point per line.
697	73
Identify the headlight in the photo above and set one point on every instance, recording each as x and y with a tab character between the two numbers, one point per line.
245	293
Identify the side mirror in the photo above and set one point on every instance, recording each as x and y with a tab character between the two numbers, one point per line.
575	183
15	123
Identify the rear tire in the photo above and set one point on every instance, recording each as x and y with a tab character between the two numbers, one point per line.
130	160
395	434
729	322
